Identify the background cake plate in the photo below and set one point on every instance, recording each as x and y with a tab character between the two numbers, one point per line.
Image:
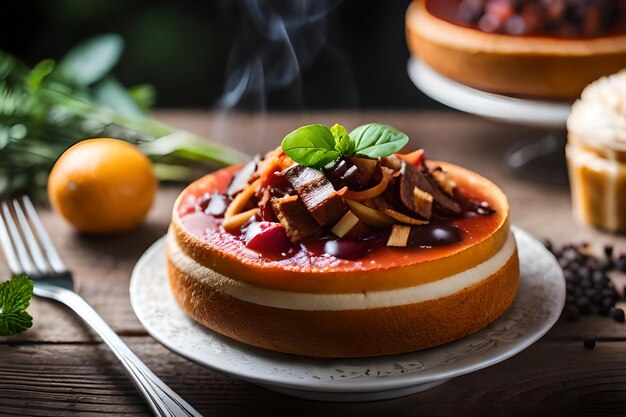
536	308
521	111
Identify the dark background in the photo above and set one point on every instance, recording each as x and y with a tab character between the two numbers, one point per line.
269	55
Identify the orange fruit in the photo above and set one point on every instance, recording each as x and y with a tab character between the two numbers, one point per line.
102	186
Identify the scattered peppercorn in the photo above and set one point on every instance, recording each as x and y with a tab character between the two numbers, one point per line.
589	290
589	342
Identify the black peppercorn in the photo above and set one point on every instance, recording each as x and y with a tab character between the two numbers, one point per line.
589	289
589	342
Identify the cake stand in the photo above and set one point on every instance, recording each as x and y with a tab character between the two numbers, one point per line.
537	159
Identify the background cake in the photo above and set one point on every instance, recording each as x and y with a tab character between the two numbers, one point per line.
521	48
596	154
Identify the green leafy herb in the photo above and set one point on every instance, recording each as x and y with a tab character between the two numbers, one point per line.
344	144
316	145
15	296
92	59
46	109
375	140
312	146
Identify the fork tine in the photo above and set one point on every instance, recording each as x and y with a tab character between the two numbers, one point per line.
52	255
18	243
31	241
9	250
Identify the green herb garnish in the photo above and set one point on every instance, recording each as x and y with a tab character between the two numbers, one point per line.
46	109
313	146
15	296
316	145
375	140
343	143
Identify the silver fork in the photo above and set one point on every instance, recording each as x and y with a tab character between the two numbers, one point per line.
29	250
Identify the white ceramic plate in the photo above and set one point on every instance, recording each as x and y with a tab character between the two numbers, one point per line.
539	113
536	308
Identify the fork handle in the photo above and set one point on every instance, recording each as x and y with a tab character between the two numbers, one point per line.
161	399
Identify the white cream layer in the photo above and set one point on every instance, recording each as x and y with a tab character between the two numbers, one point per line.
598	118
335	302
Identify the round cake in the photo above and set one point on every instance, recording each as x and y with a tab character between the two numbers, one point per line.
522	48
362	257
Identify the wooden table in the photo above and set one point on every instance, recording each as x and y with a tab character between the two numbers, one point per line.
59	368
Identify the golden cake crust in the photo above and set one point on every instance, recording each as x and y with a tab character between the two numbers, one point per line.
349	333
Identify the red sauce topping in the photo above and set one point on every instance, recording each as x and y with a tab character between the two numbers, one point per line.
267	242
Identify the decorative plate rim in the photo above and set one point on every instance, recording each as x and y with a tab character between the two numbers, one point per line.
351	385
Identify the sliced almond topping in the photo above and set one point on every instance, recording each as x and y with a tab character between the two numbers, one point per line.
365	164
401	217
241	199
399	236
234	222
240	180
423	202
369	215
345	224
441	178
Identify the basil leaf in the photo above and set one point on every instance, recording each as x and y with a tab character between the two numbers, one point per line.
343	142
15	296
375	140
311	146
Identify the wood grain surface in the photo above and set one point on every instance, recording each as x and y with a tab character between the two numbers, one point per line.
59	368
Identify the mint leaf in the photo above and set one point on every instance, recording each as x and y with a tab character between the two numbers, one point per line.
311	146
16	293
343	142
15	322
15	296
374	140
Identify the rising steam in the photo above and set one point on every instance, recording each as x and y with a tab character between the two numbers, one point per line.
275	40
